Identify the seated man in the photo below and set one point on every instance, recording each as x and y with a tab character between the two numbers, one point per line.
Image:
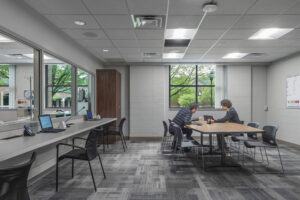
182	118
231	116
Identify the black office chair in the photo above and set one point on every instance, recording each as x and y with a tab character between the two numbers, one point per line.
181	143
166	140
118	133
13	181
268	141
87	153
241	138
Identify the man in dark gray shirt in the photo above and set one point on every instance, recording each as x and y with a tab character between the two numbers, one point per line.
231	116
183	117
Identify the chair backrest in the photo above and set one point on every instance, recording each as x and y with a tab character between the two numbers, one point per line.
269	136
121	125
165	128
178	135
13	181
207	117
91	144
254	125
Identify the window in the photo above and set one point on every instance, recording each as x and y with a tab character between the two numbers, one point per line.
83	92
58	87
16	81
192	83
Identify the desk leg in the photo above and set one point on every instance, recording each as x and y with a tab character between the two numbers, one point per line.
210	143
201	139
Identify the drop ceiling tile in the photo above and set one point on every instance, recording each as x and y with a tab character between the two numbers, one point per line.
130	51
205	34
256	21
187	7
149	34
114	21
295	34
85	34
96	43
201	43
150	43
271	6
218	21
287	21
150	50
183	22
107	6
294	9
126	43
67	21
233	6
174	49
146	7
193	56
240	34
121	34
58	6
196	50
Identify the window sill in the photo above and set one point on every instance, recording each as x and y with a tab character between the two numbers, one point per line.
199	109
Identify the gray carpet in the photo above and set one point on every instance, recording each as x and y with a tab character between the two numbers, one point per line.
145	173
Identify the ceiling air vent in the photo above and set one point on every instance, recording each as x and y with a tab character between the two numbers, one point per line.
255	55
148	21
151	55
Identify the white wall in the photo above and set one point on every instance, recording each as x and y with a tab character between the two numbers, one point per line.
288	120
19	19
149	97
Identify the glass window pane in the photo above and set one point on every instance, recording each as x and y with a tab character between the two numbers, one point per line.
206	74
182	74
16	81
84	92
58	89
182	96
206	96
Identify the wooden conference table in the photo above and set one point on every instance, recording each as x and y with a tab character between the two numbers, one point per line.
20	145
221	129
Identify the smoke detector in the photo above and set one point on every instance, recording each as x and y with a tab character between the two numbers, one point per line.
210	7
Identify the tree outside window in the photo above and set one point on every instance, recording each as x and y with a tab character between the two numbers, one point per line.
58	88
192	83
4	85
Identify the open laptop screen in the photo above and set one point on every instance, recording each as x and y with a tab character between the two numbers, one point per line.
45	121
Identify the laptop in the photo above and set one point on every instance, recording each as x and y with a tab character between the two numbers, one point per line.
89	116
47	126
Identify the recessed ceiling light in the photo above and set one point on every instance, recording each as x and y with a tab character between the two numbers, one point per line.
173	55
5	39
79	23
180	33
270	33
235	55
105	50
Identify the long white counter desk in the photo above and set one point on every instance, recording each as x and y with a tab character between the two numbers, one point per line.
20	145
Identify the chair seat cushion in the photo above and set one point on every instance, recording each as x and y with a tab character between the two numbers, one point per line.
111	132
79	154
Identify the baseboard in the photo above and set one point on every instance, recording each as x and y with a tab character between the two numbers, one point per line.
288	143
145	138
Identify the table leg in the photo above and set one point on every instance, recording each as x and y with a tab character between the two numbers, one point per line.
210	143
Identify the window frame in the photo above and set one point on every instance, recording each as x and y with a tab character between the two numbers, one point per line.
196	86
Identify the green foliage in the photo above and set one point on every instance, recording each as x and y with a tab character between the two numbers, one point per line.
186	99
4	75
82	77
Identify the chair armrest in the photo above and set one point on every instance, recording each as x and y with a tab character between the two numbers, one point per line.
78	138
70	145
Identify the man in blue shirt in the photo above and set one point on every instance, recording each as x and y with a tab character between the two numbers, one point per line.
231	116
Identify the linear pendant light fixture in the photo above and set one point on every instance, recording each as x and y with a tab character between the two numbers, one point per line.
270	33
